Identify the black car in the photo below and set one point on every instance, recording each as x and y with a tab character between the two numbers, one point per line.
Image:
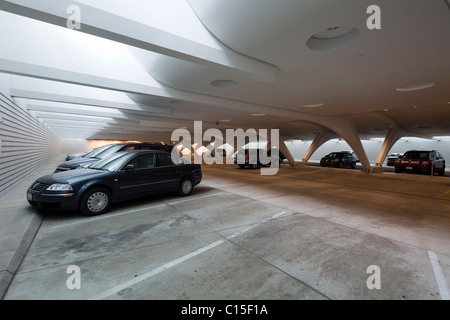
122	176
339	160
251	157
107	150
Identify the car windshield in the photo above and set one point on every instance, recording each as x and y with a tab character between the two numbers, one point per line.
112	163
96	151
107	152
417	154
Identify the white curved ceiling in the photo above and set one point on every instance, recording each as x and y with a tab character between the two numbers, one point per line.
148	65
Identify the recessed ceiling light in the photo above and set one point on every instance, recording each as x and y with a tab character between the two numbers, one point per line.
386	110
313	105
224	83
416	86
258	114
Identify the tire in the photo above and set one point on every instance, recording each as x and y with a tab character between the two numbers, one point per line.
95	202
242	166
254	166
398	170
353	165
185	187
442	171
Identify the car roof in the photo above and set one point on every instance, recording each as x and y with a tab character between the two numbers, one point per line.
143	151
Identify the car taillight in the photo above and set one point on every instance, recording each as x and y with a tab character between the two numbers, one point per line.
246	153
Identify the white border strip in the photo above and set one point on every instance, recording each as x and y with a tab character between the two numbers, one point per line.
439	275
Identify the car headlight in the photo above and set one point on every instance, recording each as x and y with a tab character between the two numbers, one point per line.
60	187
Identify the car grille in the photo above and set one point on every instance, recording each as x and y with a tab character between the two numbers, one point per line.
37	186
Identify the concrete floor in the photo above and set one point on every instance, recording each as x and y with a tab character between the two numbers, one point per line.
306	233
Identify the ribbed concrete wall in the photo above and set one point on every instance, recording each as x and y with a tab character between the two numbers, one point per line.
25	143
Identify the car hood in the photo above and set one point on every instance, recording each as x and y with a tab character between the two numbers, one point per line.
72	176
75	163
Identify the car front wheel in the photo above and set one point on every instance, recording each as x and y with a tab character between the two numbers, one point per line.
95	202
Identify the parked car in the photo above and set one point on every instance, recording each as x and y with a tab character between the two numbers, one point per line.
392	157
78	154
339	160
251	157
421	161
107	150
121	176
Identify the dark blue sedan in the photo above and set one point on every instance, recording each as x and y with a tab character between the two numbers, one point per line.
122	176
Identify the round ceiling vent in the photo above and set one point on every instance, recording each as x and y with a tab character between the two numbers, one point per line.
224	83
333	38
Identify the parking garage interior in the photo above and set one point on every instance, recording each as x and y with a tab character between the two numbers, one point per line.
369	77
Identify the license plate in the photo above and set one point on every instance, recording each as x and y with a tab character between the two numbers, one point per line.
409	168
29	196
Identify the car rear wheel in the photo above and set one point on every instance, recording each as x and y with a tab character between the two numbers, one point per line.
95	202
185	187
242	166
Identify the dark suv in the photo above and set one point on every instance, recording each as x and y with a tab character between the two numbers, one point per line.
339	160
421	161
107	150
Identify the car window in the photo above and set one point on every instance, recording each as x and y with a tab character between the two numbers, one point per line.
144	161
164	160
129	148
417	154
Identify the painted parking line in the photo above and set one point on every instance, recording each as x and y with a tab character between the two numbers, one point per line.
194	198
112	215
109	215
444	196
175	262
439	275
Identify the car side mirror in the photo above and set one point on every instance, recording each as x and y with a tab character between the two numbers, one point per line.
129	167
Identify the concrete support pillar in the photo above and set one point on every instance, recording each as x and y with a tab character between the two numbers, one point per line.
345	128
394	133
281	146
322	137
287	153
